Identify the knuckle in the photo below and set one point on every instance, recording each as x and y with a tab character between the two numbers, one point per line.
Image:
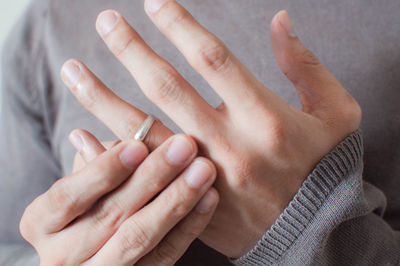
224	145
90	94
119	47
133	239
178	204
179	210
104	172
165	253
306	57
104	176
180	18
213	56
277	132
29	228
297	61
101	167
276	128
167	87
60	199
157	185
107	213
90	97
243	171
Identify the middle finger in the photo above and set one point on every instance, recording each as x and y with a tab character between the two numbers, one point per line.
209	56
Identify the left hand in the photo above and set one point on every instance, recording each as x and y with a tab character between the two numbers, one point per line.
263	147
123	207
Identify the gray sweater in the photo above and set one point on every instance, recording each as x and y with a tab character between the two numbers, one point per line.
347	211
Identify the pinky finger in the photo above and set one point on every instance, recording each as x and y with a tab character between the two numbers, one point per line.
177	241
88	146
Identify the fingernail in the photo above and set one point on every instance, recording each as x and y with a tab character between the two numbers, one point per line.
154	5
76	139
71	74
179	151
287	23
207	203
198	174
107	21
133	154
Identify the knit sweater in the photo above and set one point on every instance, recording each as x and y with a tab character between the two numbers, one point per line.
347	211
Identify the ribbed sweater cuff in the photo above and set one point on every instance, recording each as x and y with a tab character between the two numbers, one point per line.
330	171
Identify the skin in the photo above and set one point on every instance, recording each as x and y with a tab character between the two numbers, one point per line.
262	151
106	208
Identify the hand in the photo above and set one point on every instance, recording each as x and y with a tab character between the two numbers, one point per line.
124	207
263	147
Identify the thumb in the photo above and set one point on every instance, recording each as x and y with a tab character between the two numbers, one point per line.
318	89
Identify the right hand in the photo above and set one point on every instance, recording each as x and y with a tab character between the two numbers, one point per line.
124	207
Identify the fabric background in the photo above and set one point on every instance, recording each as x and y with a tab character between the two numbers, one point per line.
10	11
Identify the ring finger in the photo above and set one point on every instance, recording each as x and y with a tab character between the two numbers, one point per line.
119	116
156	77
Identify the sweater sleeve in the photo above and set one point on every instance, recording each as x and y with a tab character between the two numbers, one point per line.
27	166
334	219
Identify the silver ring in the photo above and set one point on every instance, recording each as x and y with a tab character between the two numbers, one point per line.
145	128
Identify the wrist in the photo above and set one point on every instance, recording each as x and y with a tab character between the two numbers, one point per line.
335	168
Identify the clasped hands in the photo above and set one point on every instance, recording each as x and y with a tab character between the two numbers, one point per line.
129	203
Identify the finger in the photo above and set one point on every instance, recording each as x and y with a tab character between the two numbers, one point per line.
88	146
139	234
319	91
154	174
160	82
80	162
159	169
71	196
119	116
178	240
209	56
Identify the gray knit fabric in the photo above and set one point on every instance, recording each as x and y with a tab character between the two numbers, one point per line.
336	218
330	196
